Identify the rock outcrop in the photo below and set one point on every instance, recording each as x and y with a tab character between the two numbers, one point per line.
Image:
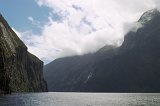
20	71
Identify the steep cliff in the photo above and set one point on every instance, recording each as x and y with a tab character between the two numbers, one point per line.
133	67
20	71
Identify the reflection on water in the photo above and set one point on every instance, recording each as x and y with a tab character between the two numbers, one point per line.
80	99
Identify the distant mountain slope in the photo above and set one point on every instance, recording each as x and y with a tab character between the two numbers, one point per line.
20	71
133	67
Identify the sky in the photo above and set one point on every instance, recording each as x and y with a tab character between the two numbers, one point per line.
58	28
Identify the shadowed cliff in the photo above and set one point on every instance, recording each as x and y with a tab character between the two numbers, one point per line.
20	71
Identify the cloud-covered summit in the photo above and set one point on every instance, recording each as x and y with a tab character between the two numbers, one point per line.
77	27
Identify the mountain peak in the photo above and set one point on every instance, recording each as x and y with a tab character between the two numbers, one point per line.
132	67
149	15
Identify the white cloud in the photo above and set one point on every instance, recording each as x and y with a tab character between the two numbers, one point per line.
132	27
34	22
84	26
31	19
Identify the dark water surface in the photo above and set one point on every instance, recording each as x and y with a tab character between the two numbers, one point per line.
81	99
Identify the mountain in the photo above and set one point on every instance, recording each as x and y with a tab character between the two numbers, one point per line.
132	67
20	71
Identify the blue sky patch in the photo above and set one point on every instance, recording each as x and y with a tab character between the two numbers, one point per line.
17	12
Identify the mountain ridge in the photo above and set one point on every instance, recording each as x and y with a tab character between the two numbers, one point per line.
132	67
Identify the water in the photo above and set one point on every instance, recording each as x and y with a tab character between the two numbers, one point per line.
81	99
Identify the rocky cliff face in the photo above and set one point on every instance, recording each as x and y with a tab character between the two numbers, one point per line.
133	67
20	71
